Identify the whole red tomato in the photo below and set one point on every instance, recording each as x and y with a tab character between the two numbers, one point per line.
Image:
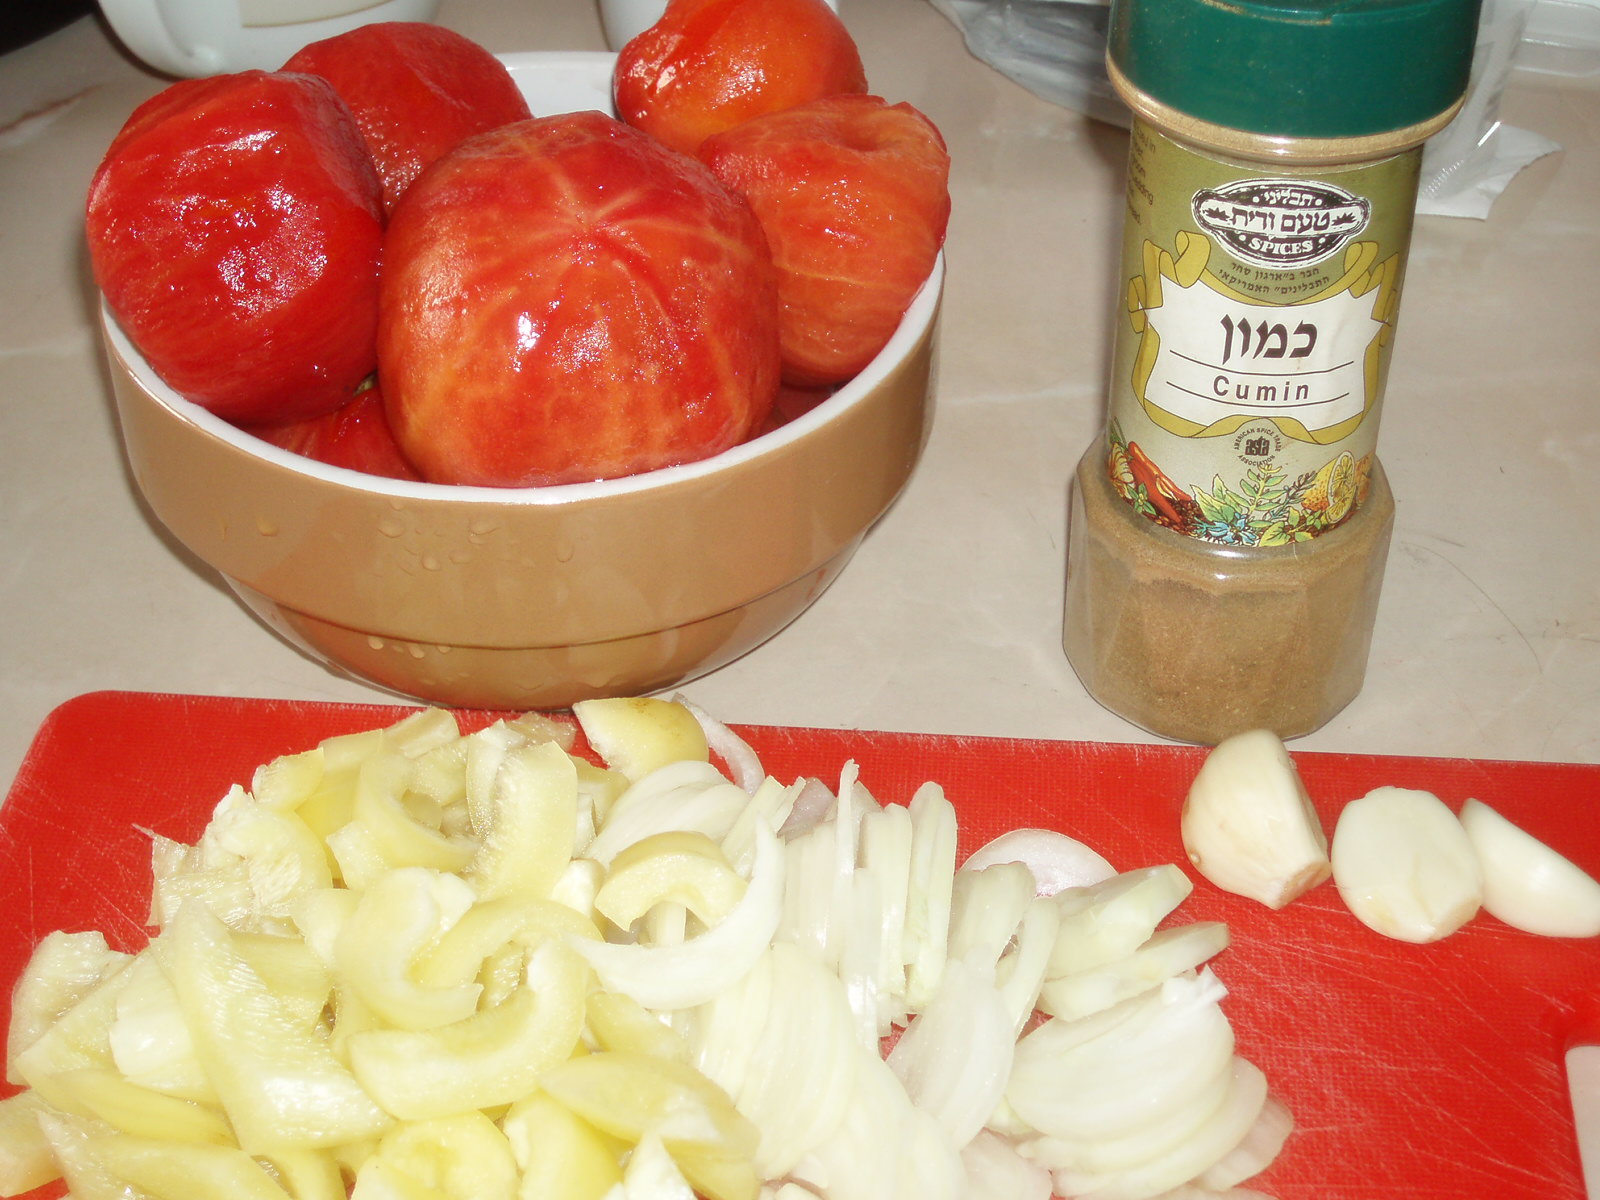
853	193
234	227
356	437
565	299
708	65
415	89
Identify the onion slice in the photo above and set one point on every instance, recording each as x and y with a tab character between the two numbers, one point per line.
693	972
1056	860
744	766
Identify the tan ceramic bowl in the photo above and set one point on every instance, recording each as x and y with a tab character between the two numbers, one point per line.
535	597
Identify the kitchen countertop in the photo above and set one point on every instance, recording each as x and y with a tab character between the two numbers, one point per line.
948	620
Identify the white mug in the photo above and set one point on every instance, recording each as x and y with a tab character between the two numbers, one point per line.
213	37
624	20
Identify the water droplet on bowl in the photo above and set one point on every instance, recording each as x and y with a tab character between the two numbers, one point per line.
266	528
391	527
374	643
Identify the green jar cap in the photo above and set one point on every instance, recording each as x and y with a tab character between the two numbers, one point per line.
1298	68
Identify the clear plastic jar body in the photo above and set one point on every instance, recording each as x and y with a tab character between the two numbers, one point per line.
1197	641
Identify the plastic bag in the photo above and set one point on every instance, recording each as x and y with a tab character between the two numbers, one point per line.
1056	49
1469	162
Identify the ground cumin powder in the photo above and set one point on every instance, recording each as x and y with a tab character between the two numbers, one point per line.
1196	641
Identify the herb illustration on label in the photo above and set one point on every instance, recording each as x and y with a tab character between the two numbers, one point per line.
1261	507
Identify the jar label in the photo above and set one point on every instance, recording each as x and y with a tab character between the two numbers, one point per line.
1249	370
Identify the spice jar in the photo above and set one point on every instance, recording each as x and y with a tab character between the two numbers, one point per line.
1229	532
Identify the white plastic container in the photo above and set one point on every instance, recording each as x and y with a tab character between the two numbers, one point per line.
624	19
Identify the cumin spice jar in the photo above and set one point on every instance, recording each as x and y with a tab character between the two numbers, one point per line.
1229	531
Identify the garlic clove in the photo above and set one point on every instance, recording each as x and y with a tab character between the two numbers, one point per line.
1526	884
1248	824
1404	865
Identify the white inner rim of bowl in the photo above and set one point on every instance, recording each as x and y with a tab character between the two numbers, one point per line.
555	82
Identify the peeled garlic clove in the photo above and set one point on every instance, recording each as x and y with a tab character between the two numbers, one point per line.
1404	865
1525	883
1248	824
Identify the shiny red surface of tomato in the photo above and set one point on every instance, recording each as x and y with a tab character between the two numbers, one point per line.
234	227
566	299
356	437
415	90
853	194
708	65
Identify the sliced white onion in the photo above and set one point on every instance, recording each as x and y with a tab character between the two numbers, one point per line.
808	897
691	973
862	1160
1022	969
1106	921
1259	1149
986	906
724	1034
690	796
928	894
840	889
1165	1052
955	1056
1526	884
886	853
1105	1156
1404	865
814	803
861	945
802	1092
769	805
1221	1131
1056	860
1167	953
930	1166
996	1171
744	765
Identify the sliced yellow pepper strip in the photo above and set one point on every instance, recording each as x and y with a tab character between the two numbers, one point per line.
678	867
496	1056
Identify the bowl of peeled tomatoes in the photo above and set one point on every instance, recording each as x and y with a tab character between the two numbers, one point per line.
505	381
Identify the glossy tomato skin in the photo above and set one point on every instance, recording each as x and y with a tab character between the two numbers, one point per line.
234	228
415	89
566	299
853	194
708	65
356	437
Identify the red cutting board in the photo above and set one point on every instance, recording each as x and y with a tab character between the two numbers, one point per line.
1414	1071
